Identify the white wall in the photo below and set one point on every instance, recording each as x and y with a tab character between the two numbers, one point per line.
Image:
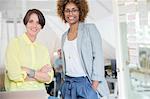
106	28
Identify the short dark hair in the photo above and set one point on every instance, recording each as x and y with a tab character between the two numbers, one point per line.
81	4
39	14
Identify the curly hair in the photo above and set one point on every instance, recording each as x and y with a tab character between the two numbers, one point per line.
81	4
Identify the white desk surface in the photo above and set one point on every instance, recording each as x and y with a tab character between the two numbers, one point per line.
39	94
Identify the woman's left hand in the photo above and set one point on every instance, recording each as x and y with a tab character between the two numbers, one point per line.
95	84
26	69
46	68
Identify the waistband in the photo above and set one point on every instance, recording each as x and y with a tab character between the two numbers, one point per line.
74	79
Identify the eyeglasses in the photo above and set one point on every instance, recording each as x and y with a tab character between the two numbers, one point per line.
73	11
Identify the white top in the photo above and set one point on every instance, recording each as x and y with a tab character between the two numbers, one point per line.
73	63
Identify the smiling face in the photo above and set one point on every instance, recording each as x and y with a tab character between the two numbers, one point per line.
33	26
71	13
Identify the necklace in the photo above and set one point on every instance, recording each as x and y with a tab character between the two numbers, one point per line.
72	36
69	57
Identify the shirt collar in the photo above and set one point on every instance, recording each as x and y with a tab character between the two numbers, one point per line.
28	41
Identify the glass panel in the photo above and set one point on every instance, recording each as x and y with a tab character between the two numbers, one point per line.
134	23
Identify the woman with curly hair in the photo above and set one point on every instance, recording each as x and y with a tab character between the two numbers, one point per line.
82	53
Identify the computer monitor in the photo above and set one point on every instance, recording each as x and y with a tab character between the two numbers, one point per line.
113	67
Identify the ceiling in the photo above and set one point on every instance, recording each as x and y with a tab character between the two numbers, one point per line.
16	8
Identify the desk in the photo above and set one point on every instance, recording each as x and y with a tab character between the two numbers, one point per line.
114	81
39	94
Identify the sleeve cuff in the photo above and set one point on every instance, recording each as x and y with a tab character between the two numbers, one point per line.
99	78
24	75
